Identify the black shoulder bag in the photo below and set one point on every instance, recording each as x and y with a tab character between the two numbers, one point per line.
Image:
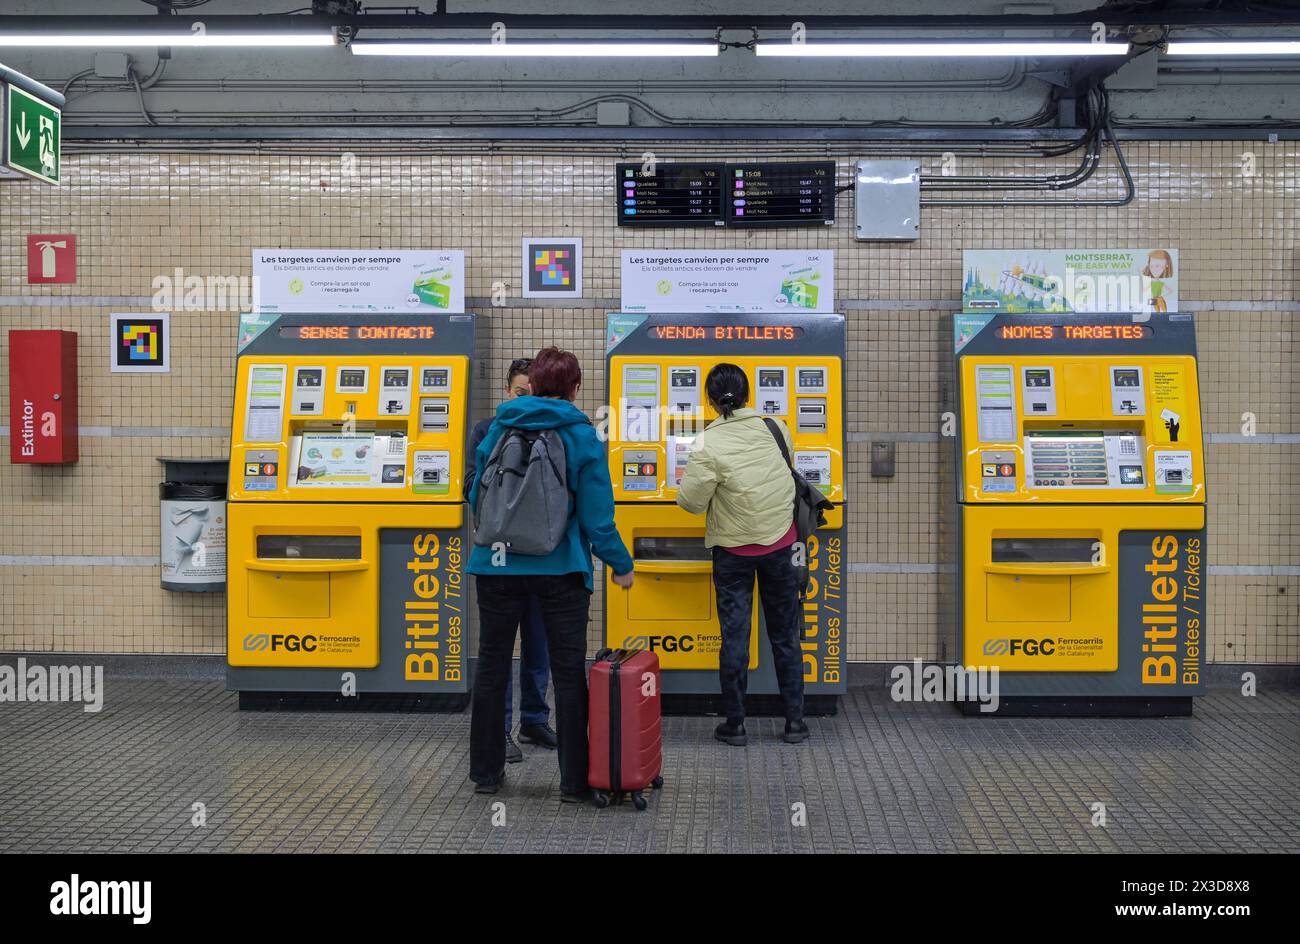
810	505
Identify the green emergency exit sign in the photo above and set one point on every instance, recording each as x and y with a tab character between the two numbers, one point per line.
32	135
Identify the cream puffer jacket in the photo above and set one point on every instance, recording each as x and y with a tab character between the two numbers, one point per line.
736	474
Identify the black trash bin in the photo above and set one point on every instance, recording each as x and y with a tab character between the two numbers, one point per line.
192	532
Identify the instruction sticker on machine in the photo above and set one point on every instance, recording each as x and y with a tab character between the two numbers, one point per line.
1173	473
1167	396
815	467
639	413
431	474
335	459
264	420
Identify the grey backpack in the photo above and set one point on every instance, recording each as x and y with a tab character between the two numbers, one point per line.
523	500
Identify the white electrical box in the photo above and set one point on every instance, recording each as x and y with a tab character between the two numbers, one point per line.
887	200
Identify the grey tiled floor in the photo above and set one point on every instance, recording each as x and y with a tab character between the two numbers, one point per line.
878	777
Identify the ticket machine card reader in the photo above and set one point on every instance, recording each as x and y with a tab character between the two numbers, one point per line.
684	390
1127	391
309	390
1038	387
770	391
395	392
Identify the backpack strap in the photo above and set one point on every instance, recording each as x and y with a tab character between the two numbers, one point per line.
780	440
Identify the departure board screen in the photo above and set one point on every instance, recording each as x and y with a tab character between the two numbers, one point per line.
671	195
781	194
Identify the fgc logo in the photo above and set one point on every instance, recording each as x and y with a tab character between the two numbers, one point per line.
1012	647
661	643
260	642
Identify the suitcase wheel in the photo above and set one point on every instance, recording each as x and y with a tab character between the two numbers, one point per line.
599	799
639	801
658	782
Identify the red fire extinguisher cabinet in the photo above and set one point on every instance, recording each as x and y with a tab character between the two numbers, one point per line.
42	396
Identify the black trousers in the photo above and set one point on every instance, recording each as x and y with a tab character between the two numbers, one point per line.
778	589
502	602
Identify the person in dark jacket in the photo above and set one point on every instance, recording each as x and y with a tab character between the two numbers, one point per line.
534	664
561	579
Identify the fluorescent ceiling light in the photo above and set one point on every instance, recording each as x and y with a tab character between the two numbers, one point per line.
534	48
1221	48
942	50
186	38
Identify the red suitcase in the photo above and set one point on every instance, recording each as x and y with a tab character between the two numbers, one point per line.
625	740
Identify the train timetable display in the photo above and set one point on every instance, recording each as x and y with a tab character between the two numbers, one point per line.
781	194
670	194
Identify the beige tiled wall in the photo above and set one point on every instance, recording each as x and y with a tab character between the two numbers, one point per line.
78	545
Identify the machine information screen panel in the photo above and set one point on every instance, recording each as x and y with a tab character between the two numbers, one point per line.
1085	459
781	194
673	195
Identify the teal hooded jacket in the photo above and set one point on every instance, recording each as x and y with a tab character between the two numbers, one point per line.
591	527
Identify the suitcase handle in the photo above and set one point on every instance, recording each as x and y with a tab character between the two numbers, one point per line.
616	656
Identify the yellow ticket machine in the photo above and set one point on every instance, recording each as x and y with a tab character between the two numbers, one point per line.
347	529
1081	505
656	369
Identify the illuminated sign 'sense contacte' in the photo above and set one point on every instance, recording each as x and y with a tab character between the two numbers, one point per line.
341	332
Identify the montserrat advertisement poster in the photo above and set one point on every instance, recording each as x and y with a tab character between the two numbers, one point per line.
1060	281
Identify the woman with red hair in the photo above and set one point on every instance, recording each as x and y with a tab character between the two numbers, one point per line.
560	579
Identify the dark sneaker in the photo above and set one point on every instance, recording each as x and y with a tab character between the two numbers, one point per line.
733	734
513	754
539	734
795	731
492	787
583	797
